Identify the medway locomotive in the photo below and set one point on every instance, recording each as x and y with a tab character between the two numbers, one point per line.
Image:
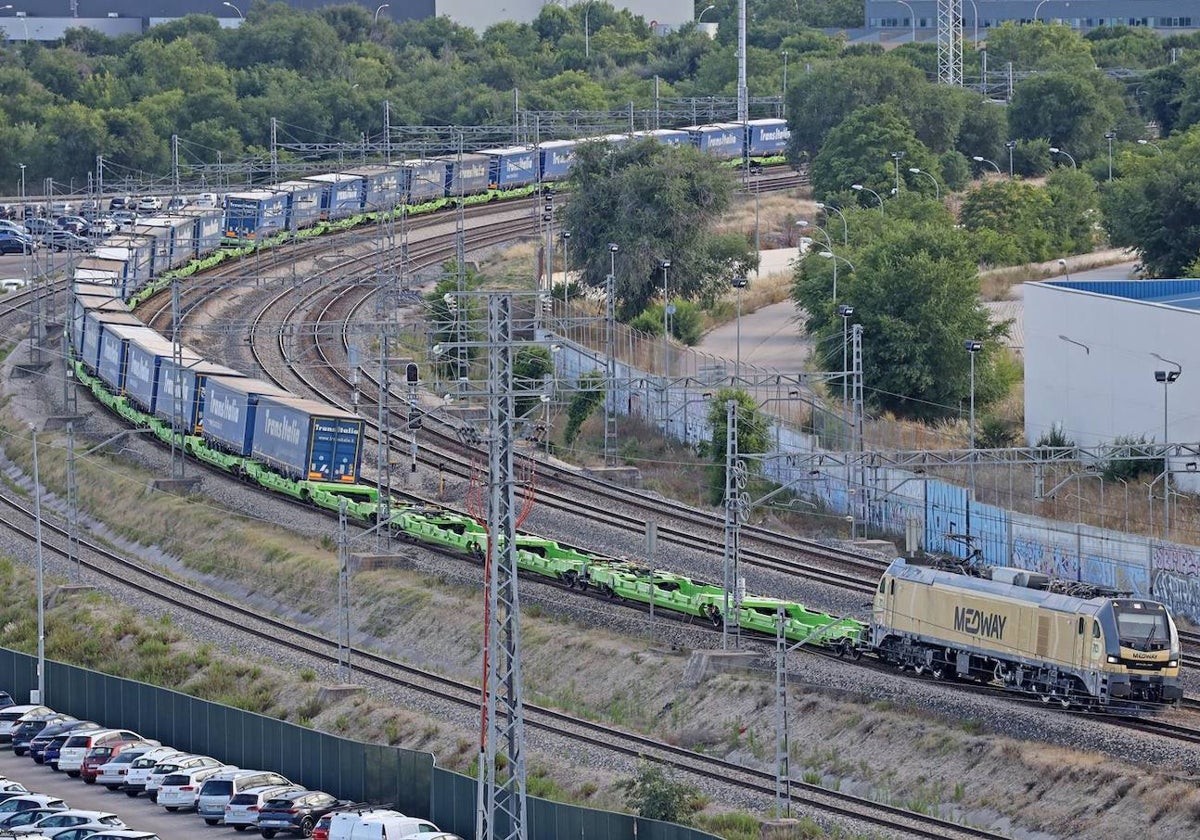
1015	630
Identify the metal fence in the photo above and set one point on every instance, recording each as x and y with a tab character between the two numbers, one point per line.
405	779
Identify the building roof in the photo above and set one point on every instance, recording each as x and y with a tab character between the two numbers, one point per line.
1181	294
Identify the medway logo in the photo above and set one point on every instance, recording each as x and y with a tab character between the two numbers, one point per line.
978	623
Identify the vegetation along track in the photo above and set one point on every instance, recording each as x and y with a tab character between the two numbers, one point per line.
177	596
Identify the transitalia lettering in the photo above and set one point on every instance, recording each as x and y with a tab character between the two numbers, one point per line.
978	623
286	430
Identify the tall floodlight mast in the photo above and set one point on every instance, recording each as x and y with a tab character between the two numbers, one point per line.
950	41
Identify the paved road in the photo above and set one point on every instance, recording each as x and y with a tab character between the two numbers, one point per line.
138	813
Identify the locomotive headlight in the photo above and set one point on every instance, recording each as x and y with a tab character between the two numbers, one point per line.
1114	660
1172	663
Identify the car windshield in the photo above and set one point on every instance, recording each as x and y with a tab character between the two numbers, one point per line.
1142	625
217	787
173	779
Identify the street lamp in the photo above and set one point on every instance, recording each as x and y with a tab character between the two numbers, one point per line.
739	283
912	16
1110	136
845	228
972	347
587	35
846	312
1038	8
664	265
1054	150
700	17
1010	145
829	255
896	160
235	8
1063	265
861	188
990	163
937	190
783	99
1154	146
379	9
1166	377
22	180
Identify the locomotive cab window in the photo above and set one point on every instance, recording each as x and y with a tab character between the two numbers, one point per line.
1095	629
1080	625
882	585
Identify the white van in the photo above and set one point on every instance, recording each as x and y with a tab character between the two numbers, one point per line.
377	824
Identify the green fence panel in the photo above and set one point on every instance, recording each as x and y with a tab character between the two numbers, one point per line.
657	830
19	671
452	807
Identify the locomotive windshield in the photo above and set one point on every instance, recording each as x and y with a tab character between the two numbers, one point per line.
1142	626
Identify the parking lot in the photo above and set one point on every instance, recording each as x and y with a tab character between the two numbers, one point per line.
139	813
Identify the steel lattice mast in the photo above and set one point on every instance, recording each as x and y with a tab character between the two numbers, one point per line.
950	40
502	814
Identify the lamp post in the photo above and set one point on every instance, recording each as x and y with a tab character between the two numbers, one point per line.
1166	377
664	265
1154	146
1063	265
587	35
566	240
700	17
829	255
975	35
1110	136
379	9
990	163
861	188
236	9
937	190
783	98
845	228
22	181
912	17
739	283
846	312
1038	8
1054	150
896	156
972	347
41	605
1010	145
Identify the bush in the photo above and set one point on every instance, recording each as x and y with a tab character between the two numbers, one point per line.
652	794
1141	460
585	401
995	432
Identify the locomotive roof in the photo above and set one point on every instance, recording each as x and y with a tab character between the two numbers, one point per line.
1050	600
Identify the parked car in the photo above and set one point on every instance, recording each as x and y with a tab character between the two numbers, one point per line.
70	760
124	219
39	227
141	769
206	199
29	728
9	789
176	765
296	812
241	812
75	224
220	788
179	791
12	821
31	801
62	208
376	824
120	202
73	817
18	228
114	772
78	832
102	226
124	834
65	240
101	755
10	718
89	208
177	202
37	747
10	243
149	204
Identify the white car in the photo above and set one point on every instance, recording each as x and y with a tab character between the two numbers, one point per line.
180	790
71	757
176	765
149	204
115	773
10	719
70	819
241	811
143	766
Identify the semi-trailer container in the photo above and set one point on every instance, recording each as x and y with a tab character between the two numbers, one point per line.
767	137
227	412
143	357
304	439
303	204
424	180
341	194
93	325
208	228
721	140
254	214
113	361
182	391
382	186
466	175
511	167
556	158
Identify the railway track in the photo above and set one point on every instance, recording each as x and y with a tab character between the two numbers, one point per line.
234	617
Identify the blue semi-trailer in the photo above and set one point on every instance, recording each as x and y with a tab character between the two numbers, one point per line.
307	440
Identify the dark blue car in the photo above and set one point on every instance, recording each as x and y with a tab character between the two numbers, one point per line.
57	732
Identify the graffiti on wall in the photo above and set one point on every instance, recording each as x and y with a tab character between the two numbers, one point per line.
1047	558
1181	593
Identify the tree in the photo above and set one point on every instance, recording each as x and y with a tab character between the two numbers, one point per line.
586	400
1007	217
655	795
1151	210
1053	46
1072	110
654	202
752	436
859	149
915	291
530	367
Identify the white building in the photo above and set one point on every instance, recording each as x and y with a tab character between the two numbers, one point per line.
1109	359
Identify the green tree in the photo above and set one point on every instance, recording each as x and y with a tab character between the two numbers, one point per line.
915	291
1007	218
656	795
1150	208
859	149
1124	46
1042	46
654	202
753	427
530	366
587	398
1072	110
1074	210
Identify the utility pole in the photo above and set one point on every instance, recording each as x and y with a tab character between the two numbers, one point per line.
343	550
610	362
735	503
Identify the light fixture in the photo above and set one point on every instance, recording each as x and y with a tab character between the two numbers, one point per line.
972	346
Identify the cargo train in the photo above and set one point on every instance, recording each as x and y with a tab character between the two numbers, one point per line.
1106	653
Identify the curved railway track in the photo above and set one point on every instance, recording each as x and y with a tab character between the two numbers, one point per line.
235	617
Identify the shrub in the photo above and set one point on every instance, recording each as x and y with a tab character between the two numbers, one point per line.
1141	460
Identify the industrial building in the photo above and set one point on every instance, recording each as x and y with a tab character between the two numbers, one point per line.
1110	359
48	20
